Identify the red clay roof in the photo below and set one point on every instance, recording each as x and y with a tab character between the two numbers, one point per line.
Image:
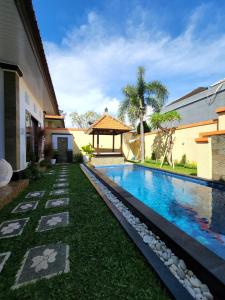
107	122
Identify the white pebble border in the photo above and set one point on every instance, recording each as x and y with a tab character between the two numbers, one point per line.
177	266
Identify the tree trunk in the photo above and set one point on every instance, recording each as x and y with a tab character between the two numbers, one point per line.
142	138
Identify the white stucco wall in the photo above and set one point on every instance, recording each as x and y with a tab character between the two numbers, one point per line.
55	141
2	148
30	104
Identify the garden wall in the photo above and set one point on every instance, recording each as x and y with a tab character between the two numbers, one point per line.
184	142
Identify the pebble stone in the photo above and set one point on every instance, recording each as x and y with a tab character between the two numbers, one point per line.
178	268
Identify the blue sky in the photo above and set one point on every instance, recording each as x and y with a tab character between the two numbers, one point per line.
94	47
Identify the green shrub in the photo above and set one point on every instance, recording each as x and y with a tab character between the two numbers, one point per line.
78	158
153	157
32	172
45	163
189	165
183	160
88	150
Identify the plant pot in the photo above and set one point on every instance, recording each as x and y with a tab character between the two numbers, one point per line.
86	158
53	161
6	172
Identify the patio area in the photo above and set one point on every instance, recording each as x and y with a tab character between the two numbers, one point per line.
60	230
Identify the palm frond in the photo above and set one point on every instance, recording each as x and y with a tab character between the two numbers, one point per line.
157	95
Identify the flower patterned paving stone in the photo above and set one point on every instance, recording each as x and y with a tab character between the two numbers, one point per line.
12	228
43	262
25	206
57	202
53	221
3	259
61	185
36	194
59	192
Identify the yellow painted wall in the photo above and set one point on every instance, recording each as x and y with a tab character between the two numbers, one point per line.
221	120
184	142
204	159
82	139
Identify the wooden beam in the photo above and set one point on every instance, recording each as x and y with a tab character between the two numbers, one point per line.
113	147
97	143
121	142
93	140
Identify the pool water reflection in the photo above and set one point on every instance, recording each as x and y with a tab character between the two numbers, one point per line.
195	208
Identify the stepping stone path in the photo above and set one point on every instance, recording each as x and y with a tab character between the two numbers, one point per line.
43	262
50	222
61	185
3	259
37	194
25	206
59	192
63	176
61	180
57	202
12	228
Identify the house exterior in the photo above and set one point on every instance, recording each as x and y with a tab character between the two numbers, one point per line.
26	90
200	104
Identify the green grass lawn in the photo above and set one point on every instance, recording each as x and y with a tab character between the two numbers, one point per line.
104	263
177	169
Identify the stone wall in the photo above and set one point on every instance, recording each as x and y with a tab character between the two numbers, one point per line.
218	157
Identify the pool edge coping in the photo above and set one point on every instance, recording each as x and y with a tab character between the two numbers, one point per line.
208	266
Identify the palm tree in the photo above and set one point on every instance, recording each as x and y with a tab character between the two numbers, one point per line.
138	98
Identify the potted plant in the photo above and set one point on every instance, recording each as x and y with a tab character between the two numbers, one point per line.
54	157
87	152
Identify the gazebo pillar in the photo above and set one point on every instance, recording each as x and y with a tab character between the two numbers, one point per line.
93	140
121	142
97	142
113	147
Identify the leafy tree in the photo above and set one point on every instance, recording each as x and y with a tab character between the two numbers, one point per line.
138	98
83	120
164	123
147	128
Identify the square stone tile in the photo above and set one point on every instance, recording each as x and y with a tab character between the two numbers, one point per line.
50	222
25	206
36	194
64	173
42	262
3	258
57	202
59	192
50	173
61	179
12	228
63	176
61	185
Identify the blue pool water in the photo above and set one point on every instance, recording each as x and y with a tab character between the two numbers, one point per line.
195	208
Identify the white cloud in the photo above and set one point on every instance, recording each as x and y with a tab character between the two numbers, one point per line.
92	64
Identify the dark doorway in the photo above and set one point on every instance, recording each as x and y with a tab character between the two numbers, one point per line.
62	149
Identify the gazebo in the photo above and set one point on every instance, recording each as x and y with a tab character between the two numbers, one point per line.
107	125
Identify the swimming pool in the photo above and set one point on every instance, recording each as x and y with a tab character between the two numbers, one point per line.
191	205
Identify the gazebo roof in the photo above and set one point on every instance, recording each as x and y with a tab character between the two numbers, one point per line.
107	125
